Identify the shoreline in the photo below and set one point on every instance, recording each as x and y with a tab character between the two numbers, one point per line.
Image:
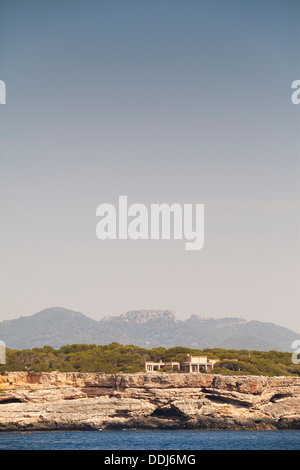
108	430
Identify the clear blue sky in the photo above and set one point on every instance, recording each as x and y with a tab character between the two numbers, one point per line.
163	101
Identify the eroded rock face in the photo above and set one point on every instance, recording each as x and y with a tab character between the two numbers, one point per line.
70	401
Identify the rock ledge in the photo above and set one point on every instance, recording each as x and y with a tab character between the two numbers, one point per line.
79	401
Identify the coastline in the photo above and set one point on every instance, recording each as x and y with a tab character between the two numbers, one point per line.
74	401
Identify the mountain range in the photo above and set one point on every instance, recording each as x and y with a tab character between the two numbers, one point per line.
58	326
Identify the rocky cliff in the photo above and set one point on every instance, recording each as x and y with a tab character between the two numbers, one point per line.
74	401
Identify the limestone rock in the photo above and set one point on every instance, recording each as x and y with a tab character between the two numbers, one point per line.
56	401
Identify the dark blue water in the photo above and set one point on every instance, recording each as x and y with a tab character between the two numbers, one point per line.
152	440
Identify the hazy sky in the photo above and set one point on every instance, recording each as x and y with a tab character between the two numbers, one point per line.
163	101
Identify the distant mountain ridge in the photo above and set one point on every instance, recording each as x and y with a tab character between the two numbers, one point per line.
143	316
58	326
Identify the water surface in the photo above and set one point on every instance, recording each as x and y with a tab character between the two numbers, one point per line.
152	440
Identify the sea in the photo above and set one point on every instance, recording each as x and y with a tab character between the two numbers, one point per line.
151	440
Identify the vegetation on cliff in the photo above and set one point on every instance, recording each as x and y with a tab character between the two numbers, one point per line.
115	358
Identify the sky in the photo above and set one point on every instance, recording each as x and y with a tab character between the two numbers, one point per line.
163	101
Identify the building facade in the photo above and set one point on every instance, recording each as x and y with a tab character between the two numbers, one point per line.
196	364
192	365
155	366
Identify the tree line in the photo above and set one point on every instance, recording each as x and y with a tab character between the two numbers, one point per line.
118	358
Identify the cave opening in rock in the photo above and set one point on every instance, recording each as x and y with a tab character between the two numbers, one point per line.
10	400
167	412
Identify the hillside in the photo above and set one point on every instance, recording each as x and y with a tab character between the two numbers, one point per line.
146	328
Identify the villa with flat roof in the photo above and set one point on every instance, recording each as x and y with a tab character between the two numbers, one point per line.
198	364
192	364
155	366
